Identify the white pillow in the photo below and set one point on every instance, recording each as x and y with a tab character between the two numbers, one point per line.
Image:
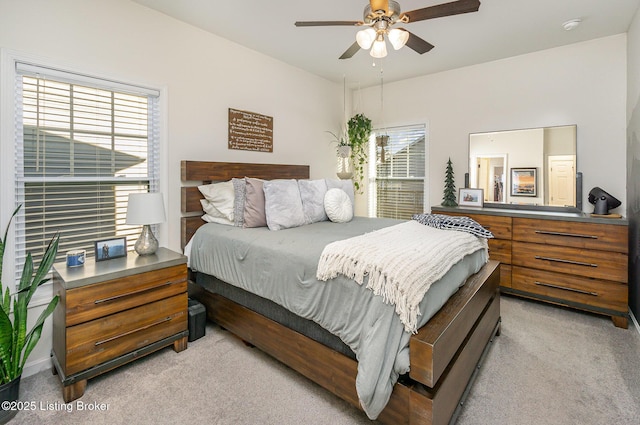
346	185
220	198
338	206
212	215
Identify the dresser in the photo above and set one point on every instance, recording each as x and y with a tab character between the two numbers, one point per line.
115	311
577	261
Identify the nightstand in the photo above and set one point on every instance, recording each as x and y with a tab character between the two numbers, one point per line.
112	312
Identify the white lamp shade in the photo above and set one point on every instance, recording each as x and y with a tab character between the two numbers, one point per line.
398	38
145	208
365	38
379	49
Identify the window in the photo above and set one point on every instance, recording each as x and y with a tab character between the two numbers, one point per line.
397	183
82	145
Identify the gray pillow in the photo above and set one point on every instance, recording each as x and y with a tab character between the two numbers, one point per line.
312	196
282	204
254	215
346	185
239	190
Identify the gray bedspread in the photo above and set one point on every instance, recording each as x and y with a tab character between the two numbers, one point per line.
281	266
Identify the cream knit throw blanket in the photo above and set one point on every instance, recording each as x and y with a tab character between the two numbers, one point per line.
402	262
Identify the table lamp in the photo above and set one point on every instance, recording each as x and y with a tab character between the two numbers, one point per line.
146	209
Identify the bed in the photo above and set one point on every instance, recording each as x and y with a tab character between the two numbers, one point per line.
443	353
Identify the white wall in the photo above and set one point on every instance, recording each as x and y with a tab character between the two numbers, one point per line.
583	84
200	76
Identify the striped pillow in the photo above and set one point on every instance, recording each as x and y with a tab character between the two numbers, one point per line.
447	222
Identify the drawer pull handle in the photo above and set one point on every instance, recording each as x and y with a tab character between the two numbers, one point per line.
104	341
560	260
573	235
128	294
580	291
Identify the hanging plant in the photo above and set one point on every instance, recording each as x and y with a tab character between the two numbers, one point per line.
344	153
359	129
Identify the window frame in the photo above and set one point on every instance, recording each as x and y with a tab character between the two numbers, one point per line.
373	157
8	110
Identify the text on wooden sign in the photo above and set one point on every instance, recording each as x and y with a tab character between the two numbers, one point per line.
250	131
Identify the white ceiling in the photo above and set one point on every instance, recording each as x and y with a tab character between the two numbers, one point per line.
500	29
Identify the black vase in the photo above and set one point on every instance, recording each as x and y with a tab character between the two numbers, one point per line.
9	392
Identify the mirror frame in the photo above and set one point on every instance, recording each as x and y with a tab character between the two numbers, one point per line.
546	208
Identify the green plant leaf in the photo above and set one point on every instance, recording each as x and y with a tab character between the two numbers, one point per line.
6	301
3	243
48	259
33	336
6	340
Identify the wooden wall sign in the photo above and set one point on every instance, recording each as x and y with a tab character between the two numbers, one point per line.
250	131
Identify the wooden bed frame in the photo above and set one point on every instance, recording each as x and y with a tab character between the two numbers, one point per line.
445	353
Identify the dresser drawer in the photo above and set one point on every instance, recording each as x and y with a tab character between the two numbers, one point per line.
505	275
101	299
498	225
592	292
94	342
574	261
604	237
500	250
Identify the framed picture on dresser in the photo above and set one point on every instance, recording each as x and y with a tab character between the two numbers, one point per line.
471	197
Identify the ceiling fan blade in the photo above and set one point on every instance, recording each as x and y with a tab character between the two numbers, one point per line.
327	23
350	51
379	5
418	44
446	9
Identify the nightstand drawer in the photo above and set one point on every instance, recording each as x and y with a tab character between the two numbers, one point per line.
101	299
94	342
572	261
573	289
603	237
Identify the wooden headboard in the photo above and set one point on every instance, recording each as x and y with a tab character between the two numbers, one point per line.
204	172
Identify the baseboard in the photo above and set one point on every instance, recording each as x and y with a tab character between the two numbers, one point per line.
635	321
31	368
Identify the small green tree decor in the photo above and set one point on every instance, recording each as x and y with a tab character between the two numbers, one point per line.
449	198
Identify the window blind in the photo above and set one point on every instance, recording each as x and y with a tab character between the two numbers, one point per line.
81	148
398	181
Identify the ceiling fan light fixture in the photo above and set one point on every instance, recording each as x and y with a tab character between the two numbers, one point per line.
366	37
398	38
379	49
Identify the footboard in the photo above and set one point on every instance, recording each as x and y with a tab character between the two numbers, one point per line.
433	348
455	338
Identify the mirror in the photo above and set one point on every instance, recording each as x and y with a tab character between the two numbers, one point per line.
526	169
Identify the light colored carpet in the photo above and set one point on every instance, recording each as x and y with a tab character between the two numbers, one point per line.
550	366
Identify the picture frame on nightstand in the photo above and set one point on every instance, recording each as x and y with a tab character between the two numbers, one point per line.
108	249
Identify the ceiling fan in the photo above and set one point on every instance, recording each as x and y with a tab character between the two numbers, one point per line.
380	16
